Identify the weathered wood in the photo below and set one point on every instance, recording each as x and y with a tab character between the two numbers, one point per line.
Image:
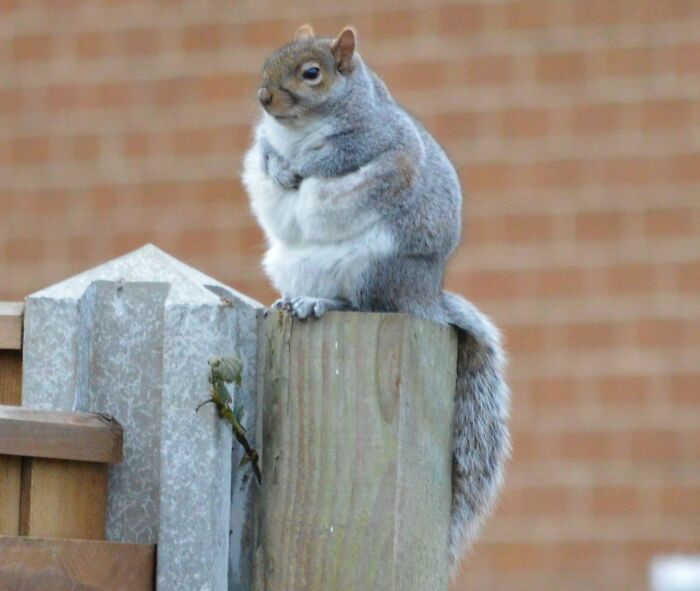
63	499
10	479
10	466
60	435
11	325
10	377
356	436
71	565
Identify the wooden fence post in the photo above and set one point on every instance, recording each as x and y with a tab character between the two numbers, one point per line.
356	434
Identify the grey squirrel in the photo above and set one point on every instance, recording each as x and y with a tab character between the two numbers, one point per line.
361	208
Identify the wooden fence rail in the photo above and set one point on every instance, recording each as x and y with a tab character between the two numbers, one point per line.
53	491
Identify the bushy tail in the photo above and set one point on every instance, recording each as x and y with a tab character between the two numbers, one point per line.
481	439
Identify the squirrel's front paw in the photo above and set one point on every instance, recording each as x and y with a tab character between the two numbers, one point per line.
287	178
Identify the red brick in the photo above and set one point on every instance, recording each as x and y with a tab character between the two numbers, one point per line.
398	24
31	47
139	42
269	33
630	279
688	277
486	177
30	150
561	68
685	389
591	335
537	501
193	141
89	44
685	58
586	446
456	124
525	339
491	284
558	282
85	148
662	333
553	174
615	500
680	500
225	87
529	14
631	170
553	393
526	122
598	12
10	100
62	97
669	223
685	167
411	76
25	250
484	231
204	37
114	95
137	144
667	114
123	242
596	118
460	19
623	391
599	226
528	228
654	445
532	447
655	12
486	70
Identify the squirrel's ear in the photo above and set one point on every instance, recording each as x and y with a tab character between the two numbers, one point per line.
343	48
304	32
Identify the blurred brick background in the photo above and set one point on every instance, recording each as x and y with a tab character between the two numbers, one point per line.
576	127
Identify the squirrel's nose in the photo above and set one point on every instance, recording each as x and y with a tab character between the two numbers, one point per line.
264	96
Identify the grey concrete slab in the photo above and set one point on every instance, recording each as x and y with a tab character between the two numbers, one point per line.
132	338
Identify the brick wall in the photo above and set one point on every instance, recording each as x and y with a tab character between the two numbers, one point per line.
576	127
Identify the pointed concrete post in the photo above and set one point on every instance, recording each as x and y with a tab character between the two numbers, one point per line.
132	338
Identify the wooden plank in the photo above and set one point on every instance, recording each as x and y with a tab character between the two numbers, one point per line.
70	565
11	325
60	435
10	480
10	377
63	499
356	451
10	466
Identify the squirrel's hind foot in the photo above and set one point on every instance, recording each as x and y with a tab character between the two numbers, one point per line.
307	307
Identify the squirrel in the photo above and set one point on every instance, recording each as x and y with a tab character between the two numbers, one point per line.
362	210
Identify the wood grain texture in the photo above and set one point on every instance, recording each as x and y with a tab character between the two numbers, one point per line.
10	466
356	447
28	564
10	481
63	499
10	377
60	435
11	325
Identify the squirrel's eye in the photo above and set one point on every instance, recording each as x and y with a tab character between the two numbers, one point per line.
311	73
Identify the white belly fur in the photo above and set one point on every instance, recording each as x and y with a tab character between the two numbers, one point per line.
322	237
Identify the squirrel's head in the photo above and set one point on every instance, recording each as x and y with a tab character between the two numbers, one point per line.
302	76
